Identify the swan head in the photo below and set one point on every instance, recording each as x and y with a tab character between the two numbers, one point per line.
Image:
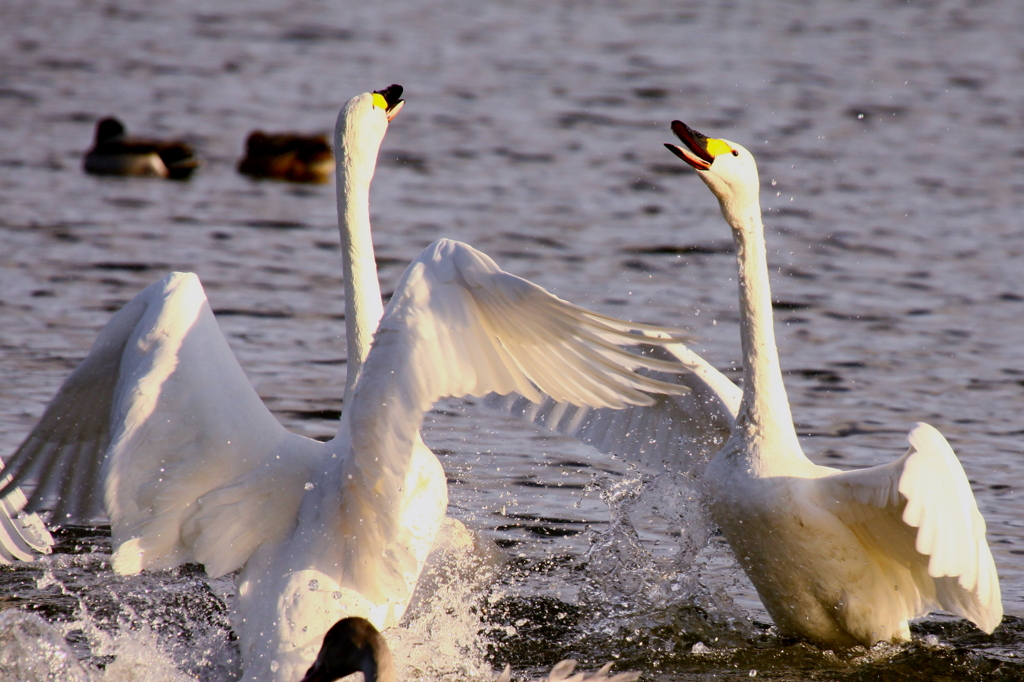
364	120
352	645
727	168
389	99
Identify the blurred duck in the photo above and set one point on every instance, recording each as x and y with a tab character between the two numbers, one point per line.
287	156
114	153
353	645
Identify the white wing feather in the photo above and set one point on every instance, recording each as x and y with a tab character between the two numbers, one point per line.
158	415
680	432
458	325
947	557
22	534
63	454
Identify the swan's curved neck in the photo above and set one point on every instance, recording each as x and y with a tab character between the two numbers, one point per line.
764	411
363	306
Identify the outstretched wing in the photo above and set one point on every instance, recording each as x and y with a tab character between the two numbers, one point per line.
680	432
947	558
458	325
158	415
22	534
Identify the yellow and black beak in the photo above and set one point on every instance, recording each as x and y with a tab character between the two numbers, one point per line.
389	99
701	150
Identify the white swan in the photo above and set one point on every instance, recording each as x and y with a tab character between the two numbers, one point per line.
353	645
159	430
840	558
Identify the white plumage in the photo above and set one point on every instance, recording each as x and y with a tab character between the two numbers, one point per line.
159	429
840	558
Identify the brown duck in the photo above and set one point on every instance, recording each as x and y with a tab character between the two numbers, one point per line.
287	156
114	153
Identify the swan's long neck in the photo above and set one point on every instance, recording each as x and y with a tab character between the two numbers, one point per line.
363	306
764	411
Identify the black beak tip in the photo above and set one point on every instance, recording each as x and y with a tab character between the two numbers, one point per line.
391	94
680	129
694	141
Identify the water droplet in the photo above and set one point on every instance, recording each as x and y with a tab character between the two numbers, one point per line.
314	585
336	595
308	486
274	666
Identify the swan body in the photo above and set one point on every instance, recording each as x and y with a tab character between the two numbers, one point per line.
114	153
838	557
287	156
159	430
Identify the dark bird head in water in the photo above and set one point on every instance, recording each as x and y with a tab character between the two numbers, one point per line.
352	645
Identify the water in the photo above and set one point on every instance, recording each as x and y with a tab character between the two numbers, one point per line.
889	141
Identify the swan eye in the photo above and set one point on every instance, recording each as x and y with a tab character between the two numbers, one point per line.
735	153
379	101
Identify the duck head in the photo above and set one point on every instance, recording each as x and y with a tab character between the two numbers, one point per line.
109	129
352	645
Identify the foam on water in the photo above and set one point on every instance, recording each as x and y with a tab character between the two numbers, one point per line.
169	626
32	650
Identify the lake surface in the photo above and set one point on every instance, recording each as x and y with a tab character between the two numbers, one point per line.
890	141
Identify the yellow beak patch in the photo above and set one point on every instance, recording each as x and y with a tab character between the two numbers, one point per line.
379	101
716	147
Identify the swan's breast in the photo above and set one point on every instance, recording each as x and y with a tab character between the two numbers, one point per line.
813	574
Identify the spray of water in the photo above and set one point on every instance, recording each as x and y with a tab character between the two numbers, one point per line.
165	626
440	637
638	582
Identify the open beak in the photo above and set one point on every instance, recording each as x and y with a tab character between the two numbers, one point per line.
393	111
696	153
393	96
